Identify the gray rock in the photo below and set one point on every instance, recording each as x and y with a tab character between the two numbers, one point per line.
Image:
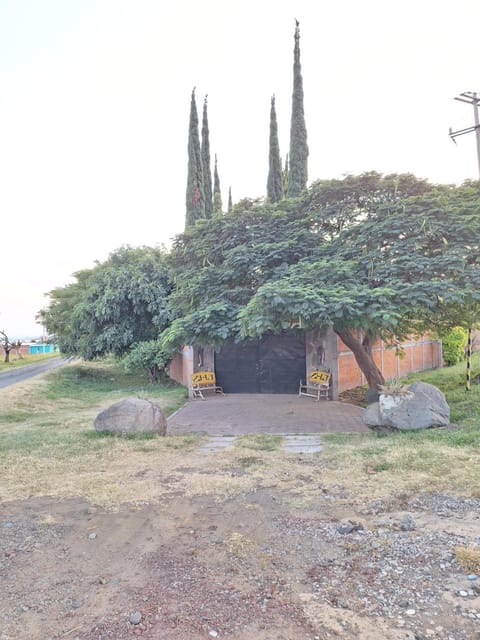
407	523
135	617
131	416
349	526
423	406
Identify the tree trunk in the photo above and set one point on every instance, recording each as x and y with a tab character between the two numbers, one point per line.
7	355
362	350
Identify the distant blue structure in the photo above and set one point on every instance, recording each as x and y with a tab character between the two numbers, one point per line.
42	348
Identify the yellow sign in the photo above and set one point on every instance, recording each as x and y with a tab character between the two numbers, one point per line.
203	378
319	377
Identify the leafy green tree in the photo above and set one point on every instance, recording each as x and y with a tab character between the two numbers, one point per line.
298	156
195	198
370	256
275	176
217	193
207	172
411	266
58	317
219	264
119	302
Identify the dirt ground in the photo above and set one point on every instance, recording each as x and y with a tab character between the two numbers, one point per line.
255	565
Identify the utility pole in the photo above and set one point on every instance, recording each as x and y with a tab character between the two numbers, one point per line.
474	99
470	98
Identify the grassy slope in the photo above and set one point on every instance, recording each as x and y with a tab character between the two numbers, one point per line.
48	447
47	441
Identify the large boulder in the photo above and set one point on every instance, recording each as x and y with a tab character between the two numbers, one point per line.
130	416
422	406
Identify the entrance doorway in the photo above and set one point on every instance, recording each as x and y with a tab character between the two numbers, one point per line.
270	364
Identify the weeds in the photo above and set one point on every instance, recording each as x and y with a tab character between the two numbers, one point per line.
259	442
468	558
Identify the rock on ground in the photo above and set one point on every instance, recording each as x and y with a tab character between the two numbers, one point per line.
130	416
423	406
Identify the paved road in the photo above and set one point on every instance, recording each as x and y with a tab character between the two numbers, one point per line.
19	374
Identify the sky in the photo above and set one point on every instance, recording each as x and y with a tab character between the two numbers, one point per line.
95	99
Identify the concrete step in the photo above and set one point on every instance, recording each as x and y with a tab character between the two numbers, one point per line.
302	443
217	443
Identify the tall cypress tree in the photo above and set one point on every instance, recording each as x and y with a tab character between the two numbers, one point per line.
285	177
207	173
217	194
230	204
274	181
298	157
195	199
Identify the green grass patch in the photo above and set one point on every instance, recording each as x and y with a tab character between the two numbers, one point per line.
14	415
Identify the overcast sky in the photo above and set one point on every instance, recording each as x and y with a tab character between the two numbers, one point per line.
95	97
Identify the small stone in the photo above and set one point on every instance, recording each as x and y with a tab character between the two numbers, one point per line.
8	525
75	604
348	527
462	593
410	612
212	633
135	617
407	523
92	536
471	577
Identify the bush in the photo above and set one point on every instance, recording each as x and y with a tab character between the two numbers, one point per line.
146	355
454	346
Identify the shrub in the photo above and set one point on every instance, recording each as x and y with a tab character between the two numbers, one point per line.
146	355
454	345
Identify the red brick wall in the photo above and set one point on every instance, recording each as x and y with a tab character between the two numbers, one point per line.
181	366
418	355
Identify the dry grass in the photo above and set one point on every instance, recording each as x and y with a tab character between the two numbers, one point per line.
240	546
468	558
48	447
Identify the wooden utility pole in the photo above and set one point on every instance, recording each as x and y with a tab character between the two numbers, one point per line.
473	99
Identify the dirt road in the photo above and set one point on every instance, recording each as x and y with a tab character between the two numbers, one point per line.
255	566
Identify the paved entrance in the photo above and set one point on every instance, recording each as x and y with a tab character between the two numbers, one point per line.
239	413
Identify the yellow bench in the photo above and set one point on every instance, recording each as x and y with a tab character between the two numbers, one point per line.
317	385
204	381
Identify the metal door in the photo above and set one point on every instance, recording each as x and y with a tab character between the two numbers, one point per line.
271	364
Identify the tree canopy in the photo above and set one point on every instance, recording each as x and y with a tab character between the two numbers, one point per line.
369	256
119	302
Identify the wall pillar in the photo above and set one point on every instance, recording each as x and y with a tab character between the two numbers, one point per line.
321	352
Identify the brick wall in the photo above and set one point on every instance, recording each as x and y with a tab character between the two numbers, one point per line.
417	355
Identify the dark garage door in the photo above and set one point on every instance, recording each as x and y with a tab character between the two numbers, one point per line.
272	364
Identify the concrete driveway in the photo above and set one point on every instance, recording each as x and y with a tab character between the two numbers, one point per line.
238	414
